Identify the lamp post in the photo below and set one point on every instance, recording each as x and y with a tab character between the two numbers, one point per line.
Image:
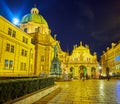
100	71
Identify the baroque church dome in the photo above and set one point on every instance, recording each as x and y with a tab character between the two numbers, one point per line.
34	16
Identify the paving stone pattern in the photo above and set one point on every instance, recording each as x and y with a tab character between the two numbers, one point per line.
84	92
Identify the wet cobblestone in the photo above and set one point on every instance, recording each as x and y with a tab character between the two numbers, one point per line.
84	92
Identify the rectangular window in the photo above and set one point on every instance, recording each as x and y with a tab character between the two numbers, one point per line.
12	48
22	52
23	39
8	47
14	34
33	41
6	64
23	66
11	64
25	30
9	31
25	53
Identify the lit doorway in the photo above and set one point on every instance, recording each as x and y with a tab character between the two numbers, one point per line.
82	71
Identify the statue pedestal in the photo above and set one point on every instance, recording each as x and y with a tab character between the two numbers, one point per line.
55	67
65	77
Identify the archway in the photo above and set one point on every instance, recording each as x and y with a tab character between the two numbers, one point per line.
93	72
82	71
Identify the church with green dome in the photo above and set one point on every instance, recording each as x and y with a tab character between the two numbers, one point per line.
36	20
37	27
34	16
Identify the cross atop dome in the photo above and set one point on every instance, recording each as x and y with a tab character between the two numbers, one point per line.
80	43
34	5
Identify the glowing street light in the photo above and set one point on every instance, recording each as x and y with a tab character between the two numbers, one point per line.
15	21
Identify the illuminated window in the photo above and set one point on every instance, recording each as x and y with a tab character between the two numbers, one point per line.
12	48
25	53
9	31
8	47
22	52
25	40
14	34
25	30
23	66
117	58
11	64
33	41
6	64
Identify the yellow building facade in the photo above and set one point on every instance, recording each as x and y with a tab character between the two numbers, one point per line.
16	51
36	26
29	49
111	58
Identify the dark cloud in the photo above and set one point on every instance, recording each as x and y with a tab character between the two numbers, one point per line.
103	37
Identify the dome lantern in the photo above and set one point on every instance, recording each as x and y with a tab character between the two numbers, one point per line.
34	11
35	17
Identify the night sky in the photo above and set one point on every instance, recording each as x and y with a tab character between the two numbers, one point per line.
95	22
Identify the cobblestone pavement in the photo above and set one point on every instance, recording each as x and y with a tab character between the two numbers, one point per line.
84	92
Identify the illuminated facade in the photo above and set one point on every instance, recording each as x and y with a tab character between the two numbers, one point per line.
111	59
81	59
16	51
29	50
36	26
